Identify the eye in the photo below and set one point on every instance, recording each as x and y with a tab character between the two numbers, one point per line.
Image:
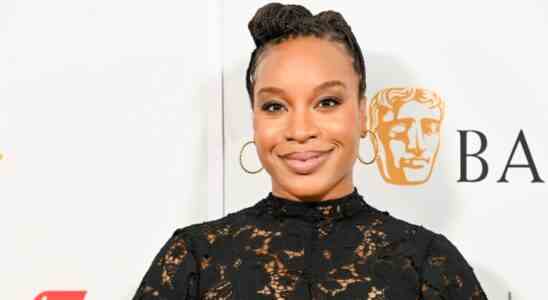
271	107
330	102
399	128
431	127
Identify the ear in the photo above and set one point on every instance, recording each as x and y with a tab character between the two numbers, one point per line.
363	114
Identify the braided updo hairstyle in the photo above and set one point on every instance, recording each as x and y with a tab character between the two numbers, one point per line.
275	23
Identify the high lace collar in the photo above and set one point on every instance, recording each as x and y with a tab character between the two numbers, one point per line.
331	209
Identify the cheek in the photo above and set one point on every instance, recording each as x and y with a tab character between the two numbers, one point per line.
431	142
343	125
345	132
267	135
397	147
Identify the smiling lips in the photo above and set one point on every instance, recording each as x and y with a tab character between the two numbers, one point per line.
305	162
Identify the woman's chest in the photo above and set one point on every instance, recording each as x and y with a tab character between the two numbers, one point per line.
304	263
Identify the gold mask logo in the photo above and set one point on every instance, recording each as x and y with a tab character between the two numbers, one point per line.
407	123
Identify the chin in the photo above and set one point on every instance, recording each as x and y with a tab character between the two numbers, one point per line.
417	176
306	185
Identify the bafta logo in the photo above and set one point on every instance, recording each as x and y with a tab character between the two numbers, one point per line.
407	123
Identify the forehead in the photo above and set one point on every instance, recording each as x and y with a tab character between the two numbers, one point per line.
304	62
413	109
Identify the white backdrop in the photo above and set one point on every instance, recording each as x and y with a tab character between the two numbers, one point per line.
116	128
487	60
104	134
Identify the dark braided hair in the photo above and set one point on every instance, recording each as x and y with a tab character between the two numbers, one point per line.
275	22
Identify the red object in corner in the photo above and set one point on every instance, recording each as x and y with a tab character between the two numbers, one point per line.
61	295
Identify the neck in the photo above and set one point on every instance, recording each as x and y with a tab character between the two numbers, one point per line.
309	193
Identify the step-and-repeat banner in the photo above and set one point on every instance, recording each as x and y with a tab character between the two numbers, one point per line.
121	121
457	97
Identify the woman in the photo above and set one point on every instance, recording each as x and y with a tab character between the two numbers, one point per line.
313	236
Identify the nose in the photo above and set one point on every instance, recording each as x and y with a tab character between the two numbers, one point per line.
301	127
416	141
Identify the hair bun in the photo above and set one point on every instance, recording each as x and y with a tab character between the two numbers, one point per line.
273	19
333	19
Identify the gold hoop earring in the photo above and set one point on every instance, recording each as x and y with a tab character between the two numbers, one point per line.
241	162
375	147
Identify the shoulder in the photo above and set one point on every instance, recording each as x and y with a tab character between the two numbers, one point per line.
398	228
442	266
415	239
201	234
430	242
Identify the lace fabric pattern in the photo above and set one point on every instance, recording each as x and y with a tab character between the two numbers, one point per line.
281	249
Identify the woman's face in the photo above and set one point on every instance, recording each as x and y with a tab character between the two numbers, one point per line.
307	119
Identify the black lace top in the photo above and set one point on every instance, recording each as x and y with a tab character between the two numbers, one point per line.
282	249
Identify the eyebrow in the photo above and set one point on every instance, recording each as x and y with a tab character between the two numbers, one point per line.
323	86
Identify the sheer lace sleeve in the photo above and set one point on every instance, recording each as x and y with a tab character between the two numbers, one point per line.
173	273
447	275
